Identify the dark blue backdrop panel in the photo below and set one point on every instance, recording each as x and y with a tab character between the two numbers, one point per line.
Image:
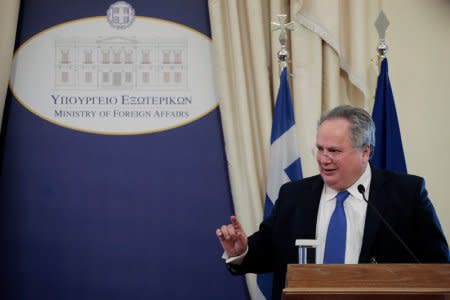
87	216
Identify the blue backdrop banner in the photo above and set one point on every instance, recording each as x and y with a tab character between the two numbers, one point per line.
113	174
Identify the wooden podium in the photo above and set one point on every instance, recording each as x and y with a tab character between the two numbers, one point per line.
368	281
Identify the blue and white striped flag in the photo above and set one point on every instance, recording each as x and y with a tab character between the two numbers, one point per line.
284	163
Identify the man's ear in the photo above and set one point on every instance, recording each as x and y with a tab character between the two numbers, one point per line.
368	151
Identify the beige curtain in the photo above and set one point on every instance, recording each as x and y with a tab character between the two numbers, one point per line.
9	13
332	63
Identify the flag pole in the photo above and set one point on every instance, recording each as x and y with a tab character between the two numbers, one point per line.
284	160
283	27
381	24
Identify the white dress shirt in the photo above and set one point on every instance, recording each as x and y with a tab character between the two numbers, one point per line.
355	211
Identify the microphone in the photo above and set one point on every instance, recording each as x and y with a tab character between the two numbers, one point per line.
362	190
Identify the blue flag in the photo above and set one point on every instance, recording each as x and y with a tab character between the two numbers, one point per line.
388	150
284	163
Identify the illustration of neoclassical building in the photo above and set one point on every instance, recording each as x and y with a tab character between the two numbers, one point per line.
120	63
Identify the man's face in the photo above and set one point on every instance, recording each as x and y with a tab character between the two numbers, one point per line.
339	163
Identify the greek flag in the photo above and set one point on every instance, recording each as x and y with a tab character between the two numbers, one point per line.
284	163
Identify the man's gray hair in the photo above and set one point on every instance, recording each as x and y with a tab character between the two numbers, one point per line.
362	127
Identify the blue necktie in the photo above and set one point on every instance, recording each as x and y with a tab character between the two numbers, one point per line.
337	233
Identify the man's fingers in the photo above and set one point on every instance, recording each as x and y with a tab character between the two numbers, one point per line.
231	233
228	232
232	237
237	226
219	234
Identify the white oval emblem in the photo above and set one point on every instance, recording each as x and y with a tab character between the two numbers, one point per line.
88	76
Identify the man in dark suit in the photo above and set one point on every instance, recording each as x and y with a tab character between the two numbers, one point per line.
307	209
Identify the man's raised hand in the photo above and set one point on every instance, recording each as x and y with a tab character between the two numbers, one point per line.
232	237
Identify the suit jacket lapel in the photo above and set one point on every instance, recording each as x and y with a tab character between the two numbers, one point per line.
377	198
306	211
305	215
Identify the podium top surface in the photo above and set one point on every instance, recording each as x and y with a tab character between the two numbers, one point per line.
368	279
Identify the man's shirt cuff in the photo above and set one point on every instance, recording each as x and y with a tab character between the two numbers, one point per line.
235	260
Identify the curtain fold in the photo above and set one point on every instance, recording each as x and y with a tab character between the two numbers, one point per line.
333	63
8	22
242	71
243	61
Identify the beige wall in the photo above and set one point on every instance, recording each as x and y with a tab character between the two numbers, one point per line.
419	66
